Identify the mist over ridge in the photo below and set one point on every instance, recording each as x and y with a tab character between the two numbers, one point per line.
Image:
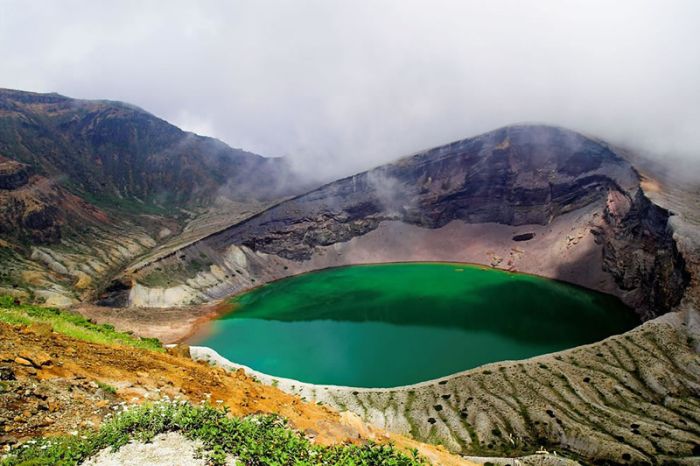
338	87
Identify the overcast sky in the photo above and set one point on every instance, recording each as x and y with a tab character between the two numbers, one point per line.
338	86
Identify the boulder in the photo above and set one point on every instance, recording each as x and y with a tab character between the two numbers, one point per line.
36	359
13	174
180	351
23	362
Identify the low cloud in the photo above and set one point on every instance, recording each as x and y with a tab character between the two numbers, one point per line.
340	86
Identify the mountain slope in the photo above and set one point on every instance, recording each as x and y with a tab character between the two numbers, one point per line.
114	152
531	198
86	186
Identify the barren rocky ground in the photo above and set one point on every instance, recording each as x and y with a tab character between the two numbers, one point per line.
171	449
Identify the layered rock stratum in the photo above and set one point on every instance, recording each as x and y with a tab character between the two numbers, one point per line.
576	199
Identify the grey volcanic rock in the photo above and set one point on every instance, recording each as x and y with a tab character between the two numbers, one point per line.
519	175
516	175
640	253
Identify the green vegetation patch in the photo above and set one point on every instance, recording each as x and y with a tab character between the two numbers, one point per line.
254	440
71	324
127	205
107	388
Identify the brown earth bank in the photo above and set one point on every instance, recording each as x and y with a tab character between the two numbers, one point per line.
169	325
53	384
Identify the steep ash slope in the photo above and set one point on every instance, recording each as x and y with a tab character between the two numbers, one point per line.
515	176
536	178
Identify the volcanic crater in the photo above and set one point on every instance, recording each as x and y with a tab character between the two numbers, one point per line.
527	198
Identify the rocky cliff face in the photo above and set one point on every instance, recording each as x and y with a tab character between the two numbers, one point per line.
640	253
28	206
516	176
12	174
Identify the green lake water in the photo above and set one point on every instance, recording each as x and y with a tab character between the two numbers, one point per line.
397	324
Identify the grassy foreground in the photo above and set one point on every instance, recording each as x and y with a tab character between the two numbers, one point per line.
254	440
70	324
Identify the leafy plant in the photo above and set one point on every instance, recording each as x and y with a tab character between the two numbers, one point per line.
254	440
107	388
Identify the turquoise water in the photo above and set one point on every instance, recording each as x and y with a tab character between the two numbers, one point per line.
397	324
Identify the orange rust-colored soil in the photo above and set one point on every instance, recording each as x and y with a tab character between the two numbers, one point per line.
141	375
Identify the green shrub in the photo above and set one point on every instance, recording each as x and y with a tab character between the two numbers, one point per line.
7	301
107	388
254	440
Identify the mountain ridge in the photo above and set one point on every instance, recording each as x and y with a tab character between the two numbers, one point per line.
120	146
517	175
79	177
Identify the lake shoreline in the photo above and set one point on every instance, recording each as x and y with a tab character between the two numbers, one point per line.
201	328
317	327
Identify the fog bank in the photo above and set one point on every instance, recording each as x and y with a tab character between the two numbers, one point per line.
339	86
